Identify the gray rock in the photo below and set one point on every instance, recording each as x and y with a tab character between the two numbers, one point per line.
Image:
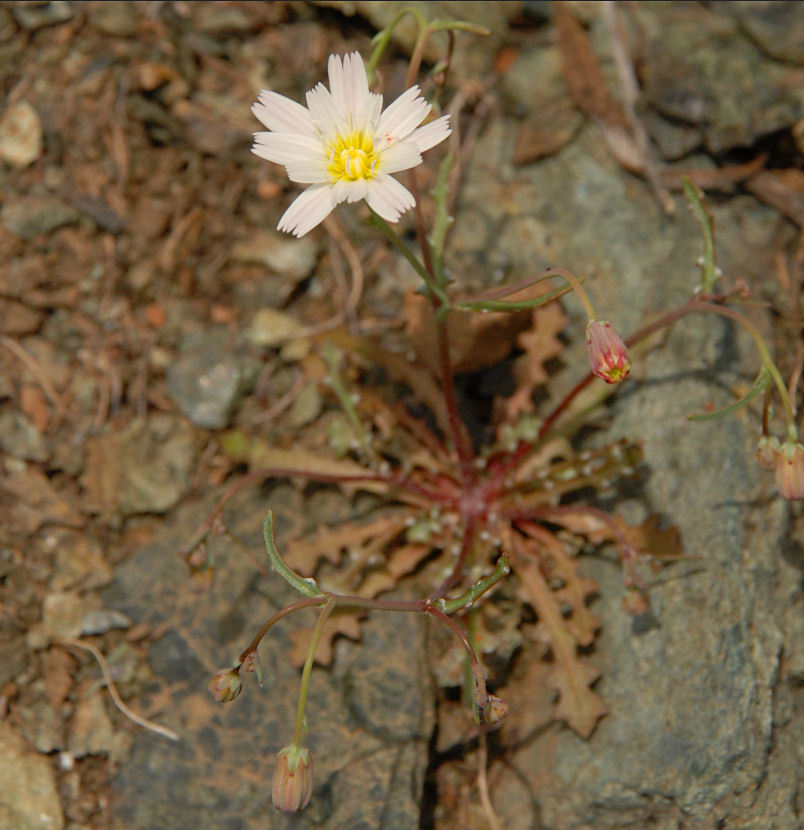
34	16
43	726
28	797
13	659
290	257
146	486
699	68
30	216
775	27
207	382
369	744
103	619
20	438
117	19
673	140
691	728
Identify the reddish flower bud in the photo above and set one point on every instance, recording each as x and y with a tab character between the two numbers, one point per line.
293	779
608	355
790	470
226	685
767	452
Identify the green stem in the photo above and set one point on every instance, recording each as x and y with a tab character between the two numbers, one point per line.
709	274
761	384
383	38
506	305
579	290
450	606
770	366
442	221
403	249
308	668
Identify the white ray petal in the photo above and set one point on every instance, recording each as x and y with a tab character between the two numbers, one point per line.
284	148
324	111
309	171
337	81
348	82
402	117
283	115
369	114
345	191
389	198
309	209
401	156
431	134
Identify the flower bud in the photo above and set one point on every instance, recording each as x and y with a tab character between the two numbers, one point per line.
767	452
496	709
293	779
226	685
608	355
790	470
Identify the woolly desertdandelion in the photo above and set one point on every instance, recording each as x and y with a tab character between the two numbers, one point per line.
344	145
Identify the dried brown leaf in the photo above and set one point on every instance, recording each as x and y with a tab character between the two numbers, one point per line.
405	559
344	623
298	463
476	340
651	539
416	376
57	667
576	590
28	501
582	71
540	343
571	677
529	698
102	475
578	705
364	541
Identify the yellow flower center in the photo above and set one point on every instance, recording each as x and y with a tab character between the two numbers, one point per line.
352	157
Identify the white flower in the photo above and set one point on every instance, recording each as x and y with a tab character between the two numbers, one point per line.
343	146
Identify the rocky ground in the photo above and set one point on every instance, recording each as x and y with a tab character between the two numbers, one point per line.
147	306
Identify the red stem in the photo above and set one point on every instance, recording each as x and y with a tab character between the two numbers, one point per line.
457	571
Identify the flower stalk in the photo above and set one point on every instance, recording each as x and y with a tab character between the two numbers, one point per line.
301	725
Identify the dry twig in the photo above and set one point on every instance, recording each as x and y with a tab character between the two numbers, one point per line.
118	701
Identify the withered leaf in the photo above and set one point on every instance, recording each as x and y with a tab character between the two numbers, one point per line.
576	590
582	71
571	677
365	540
57	668
476	340
344	623
298	462
651	539
540	343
